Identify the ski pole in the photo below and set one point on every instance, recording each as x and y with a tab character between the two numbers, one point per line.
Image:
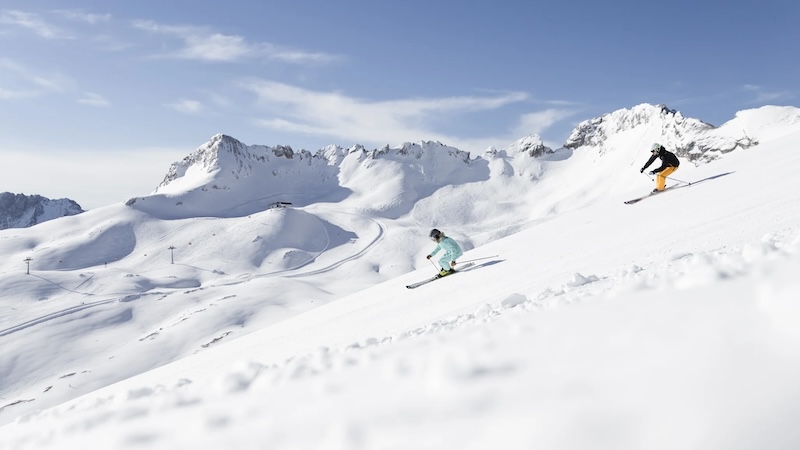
478	259
668	178
679	181
434	264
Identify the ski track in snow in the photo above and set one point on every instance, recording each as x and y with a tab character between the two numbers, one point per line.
372	243
55	315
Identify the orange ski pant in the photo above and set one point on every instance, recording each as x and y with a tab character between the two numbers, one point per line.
661	177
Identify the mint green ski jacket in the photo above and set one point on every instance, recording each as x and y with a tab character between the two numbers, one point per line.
451	251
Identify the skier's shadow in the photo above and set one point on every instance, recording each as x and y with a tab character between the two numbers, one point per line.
486	264
712	177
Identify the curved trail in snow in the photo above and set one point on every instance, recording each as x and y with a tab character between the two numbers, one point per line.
381	234
287	273
54	315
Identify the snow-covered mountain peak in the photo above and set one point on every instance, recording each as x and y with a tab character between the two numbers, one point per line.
225	154
689	138
665	124
22	211
226	157
430	149
223	175
531	145
772	121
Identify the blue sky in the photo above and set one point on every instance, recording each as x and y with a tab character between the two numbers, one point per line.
103	96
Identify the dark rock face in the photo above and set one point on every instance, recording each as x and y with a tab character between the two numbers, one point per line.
22	211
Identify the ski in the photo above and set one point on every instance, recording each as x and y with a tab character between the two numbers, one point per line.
436	277
638	199
635	200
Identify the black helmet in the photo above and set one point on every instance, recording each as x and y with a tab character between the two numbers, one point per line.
435	234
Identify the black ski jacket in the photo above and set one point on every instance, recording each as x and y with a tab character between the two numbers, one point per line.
668	159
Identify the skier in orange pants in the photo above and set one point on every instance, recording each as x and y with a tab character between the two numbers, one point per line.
669	164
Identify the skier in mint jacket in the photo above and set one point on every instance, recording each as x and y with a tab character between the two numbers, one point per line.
451	252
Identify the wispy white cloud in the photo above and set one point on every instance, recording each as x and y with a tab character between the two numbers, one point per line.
82	16
216	47
52	82
92	99
763	96
33	23
336	115
537	122
203	44
186	106
20	82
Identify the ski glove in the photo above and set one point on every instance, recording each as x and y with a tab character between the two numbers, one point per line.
428	257
653	172
641	170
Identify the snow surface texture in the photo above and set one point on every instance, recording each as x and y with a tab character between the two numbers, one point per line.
586	323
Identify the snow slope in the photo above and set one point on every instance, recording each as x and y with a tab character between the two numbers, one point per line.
586	323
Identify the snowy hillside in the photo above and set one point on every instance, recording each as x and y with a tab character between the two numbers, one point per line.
586	323
21	211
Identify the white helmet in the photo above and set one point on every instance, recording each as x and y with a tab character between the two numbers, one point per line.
656	147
